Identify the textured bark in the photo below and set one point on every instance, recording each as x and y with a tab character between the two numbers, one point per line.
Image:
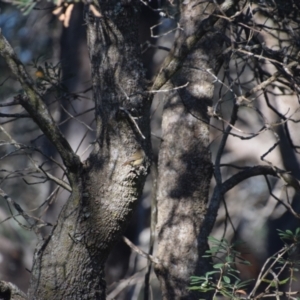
185	167
70	263
9	291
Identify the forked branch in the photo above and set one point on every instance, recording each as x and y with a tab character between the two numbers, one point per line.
35	106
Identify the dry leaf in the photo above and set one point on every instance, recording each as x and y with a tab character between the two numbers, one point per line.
57	10
240	292
61	17
95	11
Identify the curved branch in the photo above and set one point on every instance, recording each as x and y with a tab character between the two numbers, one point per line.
243	175
220	190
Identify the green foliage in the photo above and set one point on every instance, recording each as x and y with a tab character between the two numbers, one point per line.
25	6
289	236
224	280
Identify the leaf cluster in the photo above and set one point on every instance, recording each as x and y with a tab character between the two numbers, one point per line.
224	279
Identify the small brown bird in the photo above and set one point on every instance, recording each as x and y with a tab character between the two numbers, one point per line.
136	159
40	73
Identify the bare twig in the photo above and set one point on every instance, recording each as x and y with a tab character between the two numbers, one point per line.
140	252
37	109
133	121
32	221
169	90
58	181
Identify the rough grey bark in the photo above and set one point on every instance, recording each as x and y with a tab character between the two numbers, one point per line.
69	264
9	291
185	167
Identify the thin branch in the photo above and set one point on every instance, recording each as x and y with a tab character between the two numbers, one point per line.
58	181
74	118
32	221
183	47
168	90
139	251
37	109
133	121
122	284
11	103
147	45
2	115
246	174
265	271
261	86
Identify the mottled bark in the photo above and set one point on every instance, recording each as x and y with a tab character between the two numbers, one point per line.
9	291
185	167
70	263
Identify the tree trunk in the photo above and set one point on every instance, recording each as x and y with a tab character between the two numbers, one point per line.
184	166
70	263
